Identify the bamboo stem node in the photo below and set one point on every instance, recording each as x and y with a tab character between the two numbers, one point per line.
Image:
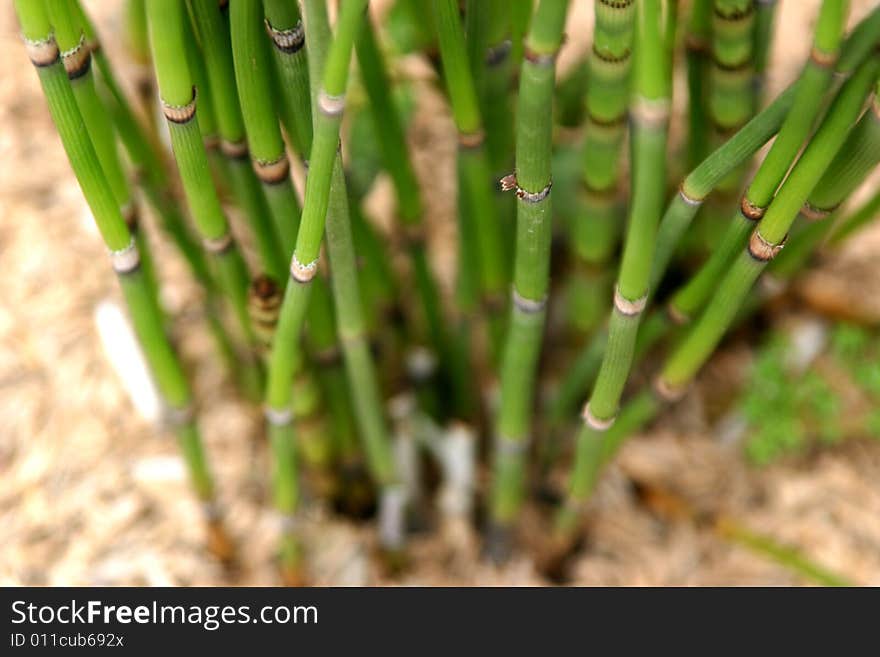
526	305
126	260
761	249
751	211
329	105
509	183
668	392
303	273
42	52
823	59
812	213
288	41
77	60
234	150
278	417
272	172
218	245
650	112
629	307
692	201
180	113
595	423
676	315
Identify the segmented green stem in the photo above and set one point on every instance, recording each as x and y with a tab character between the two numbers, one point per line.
473	165
145	313
769	236
180	100
254	76
650	117
532	182
214	35
813	85
287	37
697	49
596	229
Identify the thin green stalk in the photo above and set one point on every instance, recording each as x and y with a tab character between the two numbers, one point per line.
254	77
473	165
150	173
813	85
329	105
597	227
360	368
214	35
857	158
179	100
697	49
765	16
285	30
731	99
531	280
650	117
146	316
769	236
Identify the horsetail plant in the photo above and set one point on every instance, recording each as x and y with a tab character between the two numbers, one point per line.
149	324
370	328
768	238
214	38
253	75
596	229
532	182
179	104
649	119
474	175
812	87
329	101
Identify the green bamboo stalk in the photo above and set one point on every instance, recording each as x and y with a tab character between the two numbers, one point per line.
650	116
214	34
677	218
360	369
179	99
813	85
285	30
532	182
731	99
765	16
473	165
77	57
597	227
697	48
704	179
254	77
851	165
855	160
324	171
769	236
147	318
150	173
138	49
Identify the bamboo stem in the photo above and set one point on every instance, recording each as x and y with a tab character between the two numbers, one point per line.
149	324
532	182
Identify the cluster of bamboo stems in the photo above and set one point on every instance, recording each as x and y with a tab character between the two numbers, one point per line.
366	370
